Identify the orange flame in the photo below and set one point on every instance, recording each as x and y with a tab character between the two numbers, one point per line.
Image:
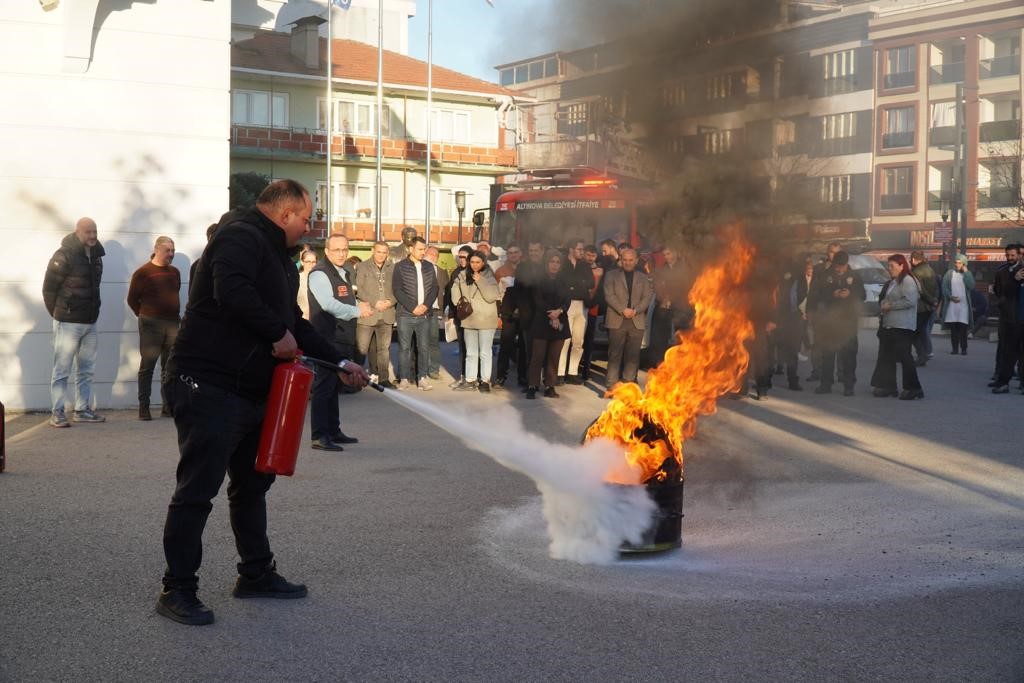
709	361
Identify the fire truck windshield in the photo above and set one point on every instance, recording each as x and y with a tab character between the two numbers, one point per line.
538	221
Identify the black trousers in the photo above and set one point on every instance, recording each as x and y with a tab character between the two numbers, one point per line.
894	347
1009	350
846	355
324	416
545	354
156	337
218	433
958	336
789	337
511	345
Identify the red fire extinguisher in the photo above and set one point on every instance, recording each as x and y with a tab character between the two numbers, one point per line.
284	419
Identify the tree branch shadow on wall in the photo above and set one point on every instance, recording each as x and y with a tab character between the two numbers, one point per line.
148	207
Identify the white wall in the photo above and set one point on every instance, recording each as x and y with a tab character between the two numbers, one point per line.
138	142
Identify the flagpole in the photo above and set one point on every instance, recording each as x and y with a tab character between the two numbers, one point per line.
380	111
330	110
430	101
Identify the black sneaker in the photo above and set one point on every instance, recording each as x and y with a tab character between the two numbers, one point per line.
326	445
144	413
531	393
550	392
165	411
270	585
183	607
573	379
342	437
484	387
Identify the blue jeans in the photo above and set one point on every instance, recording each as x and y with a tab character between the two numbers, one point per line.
409	325
479	350
73	341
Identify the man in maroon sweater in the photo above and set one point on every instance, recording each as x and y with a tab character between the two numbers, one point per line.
153	297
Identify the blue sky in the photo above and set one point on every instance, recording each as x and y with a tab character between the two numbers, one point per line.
472	37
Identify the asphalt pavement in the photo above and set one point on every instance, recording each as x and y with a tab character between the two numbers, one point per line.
826	538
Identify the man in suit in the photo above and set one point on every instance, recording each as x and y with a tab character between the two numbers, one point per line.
628	294
434	364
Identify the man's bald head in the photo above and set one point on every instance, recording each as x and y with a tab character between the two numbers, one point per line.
85	231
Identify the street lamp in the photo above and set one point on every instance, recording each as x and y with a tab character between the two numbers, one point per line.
460	206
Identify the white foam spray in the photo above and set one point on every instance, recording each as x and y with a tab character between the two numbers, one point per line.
587	518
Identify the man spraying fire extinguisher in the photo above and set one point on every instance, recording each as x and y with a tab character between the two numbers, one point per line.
242	319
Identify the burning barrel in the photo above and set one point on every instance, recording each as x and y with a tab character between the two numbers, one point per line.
665	488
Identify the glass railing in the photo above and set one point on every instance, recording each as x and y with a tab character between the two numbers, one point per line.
893	202
900	79
898	140
942	135
936	197
1000	66
946	73
993	131
998	197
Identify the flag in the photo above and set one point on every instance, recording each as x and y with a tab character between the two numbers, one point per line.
343	4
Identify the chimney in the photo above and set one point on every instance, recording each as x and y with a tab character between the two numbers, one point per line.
305	41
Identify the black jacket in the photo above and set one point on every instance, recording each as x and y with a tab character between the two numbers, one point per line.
71	287
404	285
1005	287
578	279
242	300
548	294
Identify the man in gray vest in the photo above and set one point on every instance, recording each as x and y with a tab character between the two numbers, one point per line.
373	333
333	311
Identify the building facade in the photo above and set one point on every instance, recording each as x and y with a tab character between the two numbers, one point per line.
98	125
279	129
854	101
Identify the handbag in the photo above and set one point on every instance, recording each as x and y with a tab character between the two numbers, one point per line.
450	333
463	309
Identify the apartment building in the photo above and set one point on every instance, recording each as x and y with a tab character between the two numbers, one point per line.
279	129
926	56
853	101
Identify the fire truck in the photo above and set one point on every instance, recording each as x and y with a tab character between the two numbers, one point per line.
568	191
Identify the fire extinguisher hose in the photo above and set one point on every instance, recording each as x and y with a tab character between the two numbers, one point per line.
335	367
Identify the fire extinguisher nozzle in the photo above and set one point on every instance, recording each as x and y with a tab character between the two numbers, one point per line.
374	385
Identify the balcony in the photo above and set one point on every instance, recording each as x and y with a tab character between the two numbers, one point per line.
996	131
898	140
832	211
900	79
946	73
1000	66
942	135
937	197
305	143
840	85
998	197
897	202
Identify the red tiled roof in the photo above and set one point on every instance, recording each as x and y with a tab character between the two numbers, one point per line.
269	50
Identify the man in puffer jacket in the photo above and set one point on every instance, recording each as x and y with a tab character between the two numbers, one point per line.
71	292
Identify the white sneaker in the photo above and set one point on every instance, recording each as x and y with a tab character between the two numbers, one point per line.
424	385
404	385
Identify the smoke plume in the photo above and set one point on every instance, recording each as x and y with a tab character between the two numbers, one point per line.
587	518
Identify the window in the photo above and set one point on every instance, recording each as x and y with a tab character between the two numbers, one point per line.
507	76
259	108
840	72
718	141
943	114
673	94
522	73
551	67
442	204
448	125
835	189
573	119
838	126
536	71
898	127
897	188
722	86
900	66
784	136
351	200
354	118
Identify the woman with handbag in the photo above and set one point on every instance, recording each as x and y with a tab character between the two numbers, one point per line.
896	330
475	292
462	263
